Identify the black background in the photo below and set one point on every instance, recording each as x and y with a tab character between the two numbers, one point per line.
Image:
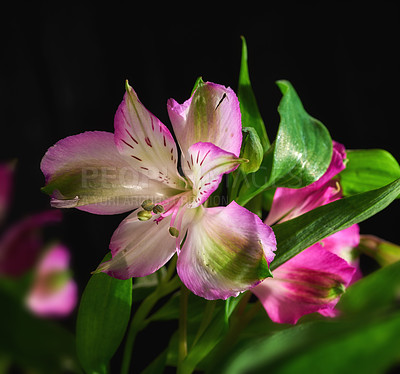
64	67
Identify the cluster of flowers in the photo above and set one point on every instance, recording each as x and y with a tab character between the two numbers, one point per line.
51	291
222	250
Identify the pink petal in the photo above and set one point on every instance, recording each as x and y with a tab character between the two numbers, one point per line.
342	244
58	304
145	142
46	299
6	184
310	282
86	171
289	203
211	115
204	166
227	250
139	248
21	244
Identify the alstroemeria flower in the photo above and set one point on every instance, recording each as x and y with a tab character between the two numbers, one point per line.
21	244
313	280
54	293
225	250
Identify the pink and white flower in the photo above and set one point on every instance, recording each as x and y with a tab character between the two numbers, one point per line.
313	280
222	251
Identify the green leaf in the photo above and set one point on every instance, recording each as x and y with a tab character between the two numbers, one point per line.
368	169
252	150
300	154
297	234
379	290
230	305
36	344
103	317
357	345
157	366
199	81
251	116
363	339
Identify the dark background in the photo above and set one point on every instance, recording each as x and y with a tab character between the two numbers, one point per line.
64	67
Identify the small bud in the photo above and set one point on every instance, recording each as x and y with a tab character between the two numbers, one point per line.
174	232
382	251
158	209
148	205
144	215
252	150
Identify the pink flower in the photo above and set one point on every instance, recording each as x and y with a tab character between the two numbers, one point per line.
6	183
53	293
222	251
313	280
21	243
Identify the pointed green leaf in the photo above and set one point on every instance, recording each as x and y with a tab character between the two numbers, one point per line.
367	169
357	345
251	116
297	234
199	81
103	317
379	290
300	154
369	313
230	305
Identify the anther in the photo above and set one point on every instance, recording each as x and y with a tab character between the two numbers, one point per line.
148	205
144	215
158	209
174	232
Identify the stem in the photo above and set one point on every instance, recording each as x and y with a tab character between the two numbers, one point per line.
139	322
207	318
182	345
241	321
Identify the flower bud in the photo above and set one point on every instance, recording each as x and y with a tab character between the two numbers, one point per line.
382	251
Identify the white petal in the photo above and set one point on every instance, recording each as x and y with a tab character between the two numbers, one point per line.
139	248
145	142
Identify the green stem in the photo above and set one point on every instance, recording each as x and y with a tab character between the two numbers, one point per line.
241	320
139	322
182	347
207	318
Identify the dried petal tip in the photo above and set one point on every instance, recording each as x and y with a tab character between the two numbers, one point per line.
147	205
174	232
158	209
144	215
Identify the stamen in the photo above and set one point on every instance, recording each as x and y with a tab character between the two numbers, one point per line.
144	215
158	209
173	232
147	205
